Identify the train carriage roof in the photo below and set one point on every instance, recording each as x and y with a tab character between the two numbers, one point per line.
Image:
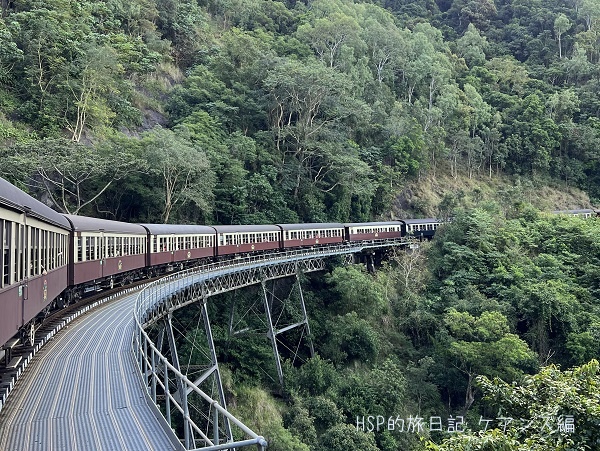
87	224
177	229
312	226
15	199
423	221
373	224
246	228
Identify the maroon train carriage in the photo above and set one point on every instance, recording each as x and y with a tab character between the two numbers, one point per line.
169	244
373	230
33	262
299	235
237	239
106	252
421	228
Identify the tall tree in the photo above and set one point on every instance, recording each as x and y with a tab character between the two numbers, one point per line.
182	170
562	24
72	175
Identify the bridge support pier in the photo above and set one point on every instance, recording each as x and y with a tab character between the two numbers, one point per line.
188	432
214	369
273	331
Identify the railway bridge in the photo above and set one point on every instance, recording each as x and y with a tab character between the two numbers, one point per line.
114	380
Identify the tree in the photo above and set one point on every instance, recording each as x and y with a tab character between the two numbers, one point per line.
327	35
72	175
182	169
531	136
558	410
346	437
484	346
308	102
98	69
384	42
9	52
472	46
562	24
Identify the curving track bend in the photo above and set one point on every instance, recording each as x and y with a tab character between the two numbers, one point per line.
82	391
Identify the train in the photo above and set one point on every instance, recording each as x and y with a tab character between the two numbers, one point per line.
51	260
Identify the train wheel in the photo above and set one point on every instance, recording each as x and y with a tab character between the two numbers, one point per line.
112	283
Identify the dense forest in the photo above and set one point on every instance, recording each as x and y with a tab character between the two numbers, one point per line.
259	111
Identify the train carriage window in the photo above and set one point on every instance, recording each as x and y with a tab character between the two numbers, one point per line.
63	249
45	247
95	246
34	255
111	246
88	250
79	241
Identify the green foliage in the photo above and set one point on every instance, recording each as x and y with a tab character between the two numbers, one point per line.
345	437
182	168
356	290
262	413
315	377
539	406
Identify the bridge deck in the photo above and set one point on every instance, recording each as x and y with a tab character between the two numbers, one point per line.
82	391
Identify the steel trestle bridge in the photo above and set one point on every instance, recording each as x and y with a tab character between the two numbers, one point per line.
190	417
